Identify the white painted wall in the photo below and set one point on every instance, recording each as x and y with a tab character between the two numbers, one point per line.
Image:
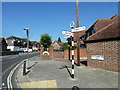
13	48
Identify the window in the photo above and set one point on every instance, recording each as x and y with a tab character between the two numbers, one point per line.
93	30
82	46
88	34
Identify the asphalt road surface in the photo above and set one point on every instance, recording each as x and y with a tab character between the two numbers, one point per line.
8	63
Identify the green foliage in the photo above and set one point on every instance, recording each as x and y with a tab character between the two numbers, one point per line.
35	50
65	46
45	40
59	40
75	47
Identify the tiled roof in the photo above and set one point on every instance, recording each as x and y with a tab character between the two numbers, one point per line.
61	43
111	30
101	23
16	38
58	43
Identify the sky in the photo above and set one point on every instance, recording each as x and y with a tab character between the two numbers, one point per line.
51	17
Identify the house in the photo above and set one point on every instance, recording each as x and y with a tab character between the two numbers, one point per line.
102	40
57	45
3	45
16	43
78	36
35	45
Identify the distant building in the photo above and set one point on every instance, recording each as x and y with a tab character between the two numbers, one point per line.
57	45
35	45
16	43
3	45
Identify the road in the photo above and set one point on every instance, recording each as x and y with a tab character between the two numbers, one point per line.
8	63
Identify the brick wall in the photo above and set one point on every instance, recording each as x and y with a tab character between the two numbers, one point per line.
58	55
83	54
109	49
52	54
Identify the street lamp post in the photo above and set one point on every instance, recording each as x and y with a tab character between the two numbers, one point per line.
27	32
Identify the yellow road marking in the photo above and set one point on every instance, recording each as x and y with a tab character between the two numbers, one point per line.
40	84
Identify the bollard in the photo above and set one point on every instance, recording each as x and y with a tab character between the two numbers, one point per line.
24	68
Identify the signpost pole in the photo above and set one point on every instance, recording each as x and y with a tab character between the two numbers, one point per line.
72	56
72	39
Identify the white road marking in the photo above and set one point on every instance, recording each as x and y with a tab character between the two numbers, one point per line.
9	78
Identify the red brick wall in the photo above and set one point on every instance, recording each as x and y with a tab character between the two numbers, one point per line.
41	51
58	55
109	50
83	53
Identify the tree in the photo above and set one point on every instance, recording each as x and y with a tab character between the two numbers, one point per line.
45	40
59	40
65	46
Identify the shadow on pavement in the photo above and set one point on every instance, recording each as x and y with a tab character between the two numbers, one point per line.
66	66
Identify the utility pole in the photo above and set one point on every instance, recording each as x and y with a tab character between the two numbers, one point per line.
77	13
77	25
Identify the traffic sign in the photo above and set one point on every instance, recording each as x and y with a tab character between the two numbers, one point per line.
79	29
66	32
67	36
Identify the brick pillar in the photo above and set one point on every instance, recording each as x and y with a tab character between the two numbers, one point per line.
51	52
41	50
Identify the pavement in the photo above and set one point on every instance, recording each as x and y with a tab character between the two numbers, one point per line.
53	74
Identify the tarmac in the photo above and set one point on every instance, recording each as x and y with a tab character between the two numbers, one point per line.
54	74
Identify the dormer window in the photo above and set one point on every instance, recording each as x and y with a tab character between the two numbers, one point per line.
93	30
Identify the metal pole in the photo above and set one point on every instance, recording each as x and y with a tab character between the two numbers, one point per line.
27	48
72	56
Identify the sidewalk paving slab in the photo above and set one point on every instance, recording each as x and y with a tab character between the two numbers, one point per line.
48	70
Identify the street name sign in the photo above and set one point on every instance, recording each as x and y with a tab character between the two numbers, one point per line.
79	29
97	57
67	34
